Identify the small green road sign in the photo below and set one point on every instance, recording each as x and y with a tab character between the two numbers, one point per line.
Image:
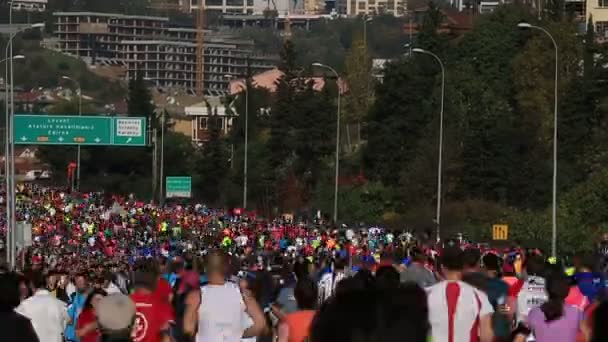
79	130
178	187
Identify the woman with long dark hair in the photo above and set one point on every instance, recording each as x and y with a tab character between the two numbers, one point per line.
86	327
554	320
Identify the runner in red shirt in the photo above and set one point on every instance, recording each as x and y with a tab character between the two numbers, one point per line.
154	315
163	290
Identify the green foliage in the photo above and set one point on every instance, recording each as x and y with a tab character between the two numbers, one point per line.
358	203
140	102
45	68
360	83
212	165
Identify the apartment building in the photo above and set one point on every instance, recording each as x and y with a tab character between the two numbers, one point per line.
371	7
597	11
164	55
225	6
170	64
29	5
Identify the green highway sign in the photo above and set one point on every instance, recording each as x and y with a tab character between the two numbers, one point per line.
178	187
79	130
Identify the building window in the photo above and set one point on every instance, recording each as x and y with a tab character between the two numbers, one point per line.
202	123
602	3
601	29
362	5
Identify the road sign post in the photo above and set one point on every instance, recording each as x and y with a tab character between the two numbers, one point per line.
79	130
178	187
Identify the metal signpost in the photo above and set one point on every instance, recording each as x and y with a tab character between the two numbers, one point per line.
79	130
178	187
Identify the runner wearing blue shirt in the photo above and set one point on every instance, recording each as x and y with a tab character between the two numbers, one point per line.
77	300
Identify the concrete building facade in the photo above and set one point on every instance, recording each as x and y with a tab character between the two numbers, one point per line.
166	56
371	7
597	11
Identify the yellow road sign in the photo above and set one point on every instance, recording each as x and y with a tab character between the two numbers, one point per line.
500	232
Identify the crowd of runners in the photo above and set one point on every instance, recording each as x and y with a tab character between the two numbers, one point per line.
108	268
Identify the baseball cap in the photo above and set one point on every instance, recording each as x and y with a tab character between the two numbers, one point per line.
115	313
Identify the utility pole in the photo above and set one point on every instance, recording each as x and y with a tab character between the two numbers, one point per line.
161	193
154	164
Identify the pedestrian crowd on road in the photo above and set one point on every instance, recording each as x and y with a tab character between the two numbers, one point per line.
107	268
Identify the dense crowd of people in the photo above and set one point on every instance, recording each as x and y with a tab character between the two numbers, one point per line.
106	268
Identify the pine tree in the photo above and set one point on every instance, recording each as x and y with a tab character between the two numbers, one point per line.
213	163
140	101
283	110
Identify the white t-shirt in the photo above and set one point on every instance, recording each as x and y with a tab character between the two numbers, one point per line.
247	323
531	295
327	284
220	316
468	305
48	315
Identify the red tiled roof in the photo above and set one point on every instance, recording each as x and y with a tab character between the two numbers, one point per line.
268	79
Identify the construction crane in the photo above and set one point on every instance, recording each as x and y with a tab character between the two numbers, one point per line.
200	51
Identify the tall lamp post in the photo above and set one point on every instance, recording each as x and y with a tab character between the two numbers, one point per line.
440	158
79	89
9	158
554	185
337	175
7	180
245	161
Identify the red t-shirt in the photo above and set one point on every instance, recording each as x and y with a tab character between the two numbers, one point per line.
152	317
163	290
85	318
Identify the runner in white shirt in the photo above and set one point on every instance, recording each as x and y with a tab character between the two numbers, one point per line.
457	311
48	314
218	307
533	293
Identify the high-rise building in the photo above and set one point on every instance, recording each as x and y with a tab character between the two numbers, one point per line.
371	7
163	55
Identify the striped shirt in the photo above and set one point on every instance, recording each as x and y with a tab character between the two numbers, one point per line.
455	309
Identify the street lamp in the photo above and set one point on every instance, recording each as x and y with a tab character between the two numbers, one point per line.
9	162
554	185
15	57
245	161
332	70
440	158
78	146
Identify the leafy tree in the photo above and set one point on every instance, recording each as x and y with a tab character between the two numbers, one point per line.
397	120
